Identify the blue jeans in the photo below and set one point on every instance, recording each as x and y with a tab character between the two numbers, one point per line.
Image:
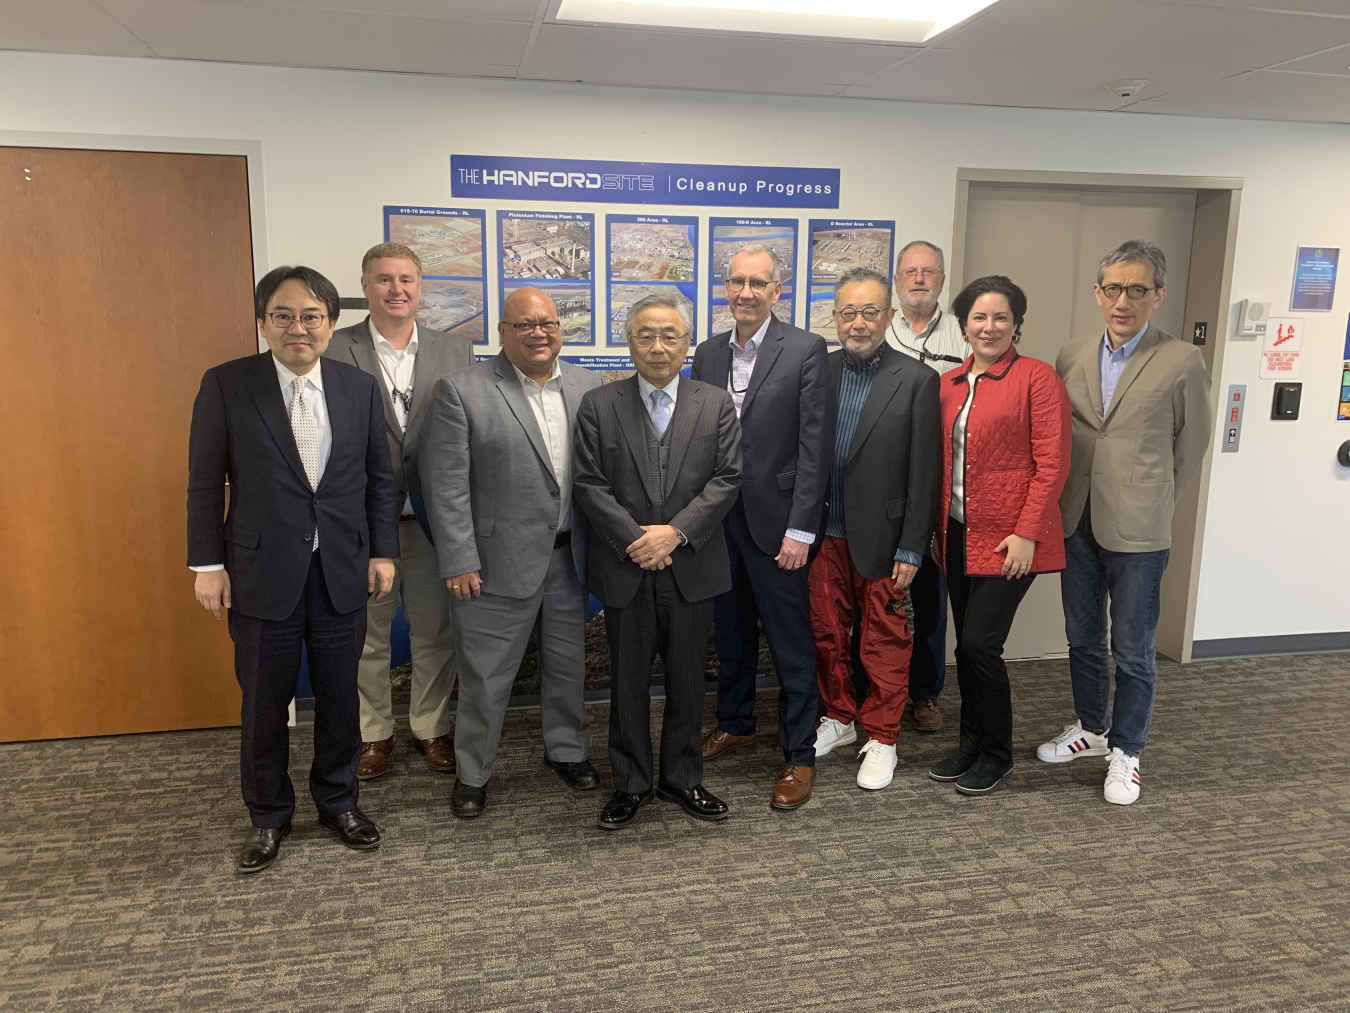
1132	581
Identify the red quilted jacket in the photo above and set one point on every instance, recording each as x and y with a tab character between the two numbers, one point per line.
1018	439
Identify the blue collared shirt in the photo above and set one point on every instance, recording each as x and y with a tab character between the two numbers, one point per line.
1113	364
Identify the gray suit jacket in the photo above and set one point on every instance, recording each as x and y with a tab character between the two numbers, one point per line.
614	486
438	354
1134	460
491	495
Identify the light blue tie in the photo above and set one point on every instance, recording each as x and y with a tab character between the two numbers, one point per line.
660	411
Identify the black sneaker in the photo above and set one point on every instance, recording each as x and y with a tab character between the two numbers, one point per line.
952	767
982	778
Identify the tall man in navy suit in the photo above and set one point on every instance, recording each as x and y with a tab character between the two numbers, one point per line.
312	530
776	375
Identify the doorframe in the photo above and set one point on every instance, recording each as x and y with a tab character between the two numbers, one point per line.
1218	200
250	150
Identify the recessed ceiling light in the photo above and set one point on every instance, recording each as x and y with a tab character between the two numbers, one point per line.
910	21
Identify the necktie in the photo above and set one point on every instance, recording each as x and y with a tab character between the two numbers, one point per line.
660	411
306	432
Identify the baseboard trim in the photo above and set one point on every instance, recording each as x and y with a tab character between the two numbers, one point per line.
1253	647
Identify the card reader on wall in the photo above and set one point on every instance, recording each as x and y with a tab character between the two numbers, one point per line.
1285	405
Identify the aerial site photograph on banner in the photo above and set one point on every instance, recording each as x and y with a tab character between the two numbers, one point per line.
449	242
649	252
836	247
731	235
553	251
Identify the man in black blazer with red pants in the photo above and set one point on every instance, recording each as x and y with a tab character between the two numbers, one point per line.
777	378
312	530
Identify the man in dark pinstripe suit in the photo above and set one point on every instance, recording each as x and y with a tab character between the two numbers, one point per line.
658	464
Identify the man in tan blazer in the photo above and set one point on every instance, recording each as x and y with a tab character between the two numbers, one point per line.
1141	426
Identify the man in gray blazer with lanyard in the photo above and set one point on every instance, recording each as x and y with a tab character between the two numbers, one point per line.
1141	427
777	379
496	464
407	359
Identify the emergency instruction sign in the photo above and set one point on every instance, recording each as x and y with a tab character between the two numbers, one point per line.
1280	350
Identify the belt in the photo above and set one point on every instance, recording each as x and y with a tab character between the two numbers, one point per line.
562	538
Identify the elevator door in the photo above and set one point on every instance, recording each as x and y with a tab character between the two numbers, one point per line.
1050	241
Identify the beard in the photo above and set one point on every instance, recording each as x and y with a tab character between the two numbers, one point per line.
923	306
863	354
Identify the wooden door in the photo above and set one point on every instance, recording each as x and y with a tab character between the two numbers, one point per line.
126	275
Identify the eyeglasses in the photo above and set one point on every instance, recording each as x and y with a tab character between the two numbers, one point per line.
284	319
525	326
1135	292
757	285
849	313
910	273
645	339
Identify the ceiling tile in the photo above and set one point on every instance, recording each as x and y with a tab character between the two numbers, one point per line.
65	26
1335	61
669	59
457	10
1335	7
1075	82
294	37
1165	34
1265	94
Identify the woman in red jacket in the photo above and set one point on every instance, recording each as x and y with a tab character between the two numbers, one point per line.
1007	439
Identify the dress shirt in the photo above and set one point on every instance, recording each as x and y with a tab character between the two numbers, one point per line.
672	390
940	344
743	363
957	507
396	370
1113	364
550	412
738	382
317	406
854	386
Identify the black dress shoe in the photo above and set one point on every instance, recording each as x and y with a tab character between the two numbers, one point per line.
356	829
580	775
261	848
622	808
983	778
697	801
466	801
953	766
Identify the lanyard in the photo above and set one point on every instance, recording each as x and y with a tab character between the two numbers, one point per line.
924	355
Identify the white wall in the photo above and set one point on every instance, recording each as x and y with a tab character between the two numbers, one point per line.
337	146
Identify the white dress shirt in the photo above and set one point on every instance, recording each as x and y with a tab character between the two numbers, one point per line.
396	370
550	412
738	382
940	345
317	405
956	508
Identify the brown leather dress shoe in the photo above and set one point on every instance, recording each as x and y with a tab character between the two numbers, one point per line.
440	753
374	759
717	742
793	789
927	717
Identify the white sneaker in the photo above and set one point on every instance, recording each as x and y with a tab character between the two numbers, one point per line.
878	765
1070	744
833	733
1122	778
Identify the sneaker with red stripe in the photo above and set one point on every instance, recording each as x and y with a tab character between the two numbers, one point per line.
1122	778
1070	744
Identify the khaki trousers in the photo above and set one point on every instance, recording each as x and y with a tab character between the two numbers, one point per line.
426	605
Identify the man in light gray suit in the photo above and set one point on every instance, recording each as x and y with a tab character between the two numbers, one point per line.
407	359
496	464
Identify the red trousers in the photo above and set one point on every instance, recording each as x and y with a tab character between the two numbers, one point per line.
841	596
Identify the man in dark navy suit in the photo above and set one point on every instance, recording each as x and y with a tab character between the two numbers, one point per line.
312	530
776	376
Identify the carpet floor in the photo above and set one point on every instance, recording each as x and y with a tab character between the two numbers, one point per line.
1225	888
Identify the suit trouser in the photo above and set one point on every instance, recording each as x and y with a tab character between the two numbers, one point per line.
841	596
760	589
657	620
491	633
426	605
267	665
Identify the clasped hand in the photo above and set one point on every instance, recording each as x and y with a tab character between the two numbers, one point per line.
652	551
